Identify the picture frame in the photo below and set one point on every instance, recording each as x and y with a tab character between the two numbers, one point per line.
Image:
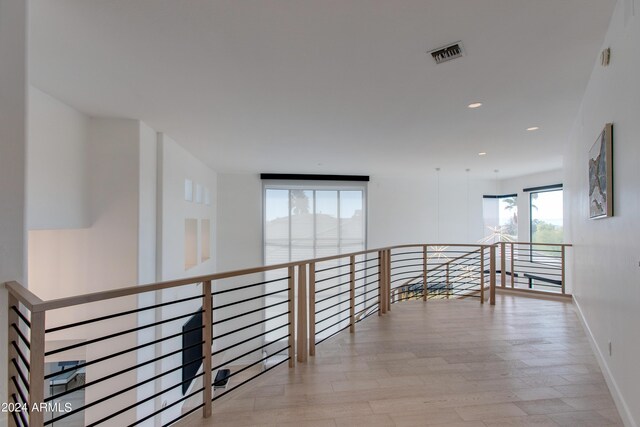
601	175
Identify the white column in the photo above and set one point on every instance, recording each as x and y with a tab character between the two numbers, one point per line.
13	113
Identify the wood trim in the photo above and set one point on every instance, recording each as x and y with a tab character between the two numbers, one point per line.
541	244
503	264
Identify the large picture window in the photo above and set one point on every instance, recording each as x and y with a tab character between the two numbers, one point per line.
309	222
546	216
303	222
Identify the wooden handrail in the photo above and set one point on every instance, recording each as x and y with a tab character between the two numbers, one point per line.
24	295
35	304
540	244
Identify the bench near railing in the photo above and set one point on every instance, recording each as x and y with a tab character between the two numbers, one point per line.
249	321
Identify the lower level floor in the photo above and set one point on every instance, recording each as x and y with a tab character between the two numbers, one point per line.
455	363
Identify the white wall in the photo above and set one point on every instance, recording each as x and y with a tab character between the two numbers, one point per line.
239	221
13	128
176	165
57	169
606	273
416	209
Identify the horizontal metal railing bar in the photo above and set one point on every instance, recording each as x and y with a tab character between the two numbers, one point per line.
122	313
366	268
537	266
365	285
332	277
332	335
250	366
255	376
35	304
538	244
19	390
249	339
120	353
367	315
226	319
260	322
330	307
253	350
332	296
527	255
332	268
21	316
184	415
123	371
395	267
24	339
393	261
182	399
21	355
331	326
218	307
266	282
22	421
117	334
127	389
367	276
23	377
404	273
405	253
333	287
331	316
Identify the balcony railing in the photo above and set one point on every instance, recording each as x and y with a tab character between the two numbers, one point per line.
157	353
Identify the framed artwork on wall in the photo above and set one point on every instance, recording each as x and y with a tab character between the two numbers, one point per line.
601	175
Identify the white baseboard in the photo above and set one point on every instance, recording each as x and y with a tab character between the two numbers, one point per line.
621	404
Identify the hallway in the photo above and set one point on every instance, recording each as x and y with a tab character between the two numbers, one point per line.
524	362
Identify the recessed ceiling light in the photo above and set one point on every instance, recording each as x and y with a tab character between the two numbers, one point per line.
482	153
475	105
532	128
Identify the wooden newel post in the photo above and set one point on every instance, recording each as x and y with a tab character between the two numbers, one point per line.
492	290
513	266
352	294
292	316
36	371
425	286
312	309
482	275
207	338
382	306
388	280
302	313
503	264
563	269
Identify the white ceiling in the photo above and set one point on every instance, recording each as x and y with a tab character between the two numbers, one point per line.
329	86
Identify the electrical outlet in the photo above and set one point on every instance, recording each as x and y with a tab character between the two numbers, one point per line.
610	352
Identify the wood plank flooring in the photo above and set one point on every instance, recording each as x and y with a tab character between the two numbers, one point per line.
524	362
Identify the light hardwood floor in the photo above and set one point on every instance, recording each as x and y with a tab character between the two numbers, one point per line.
524	362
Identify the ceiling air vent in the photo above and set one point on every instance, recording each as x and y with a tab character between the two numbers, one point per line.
447	53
